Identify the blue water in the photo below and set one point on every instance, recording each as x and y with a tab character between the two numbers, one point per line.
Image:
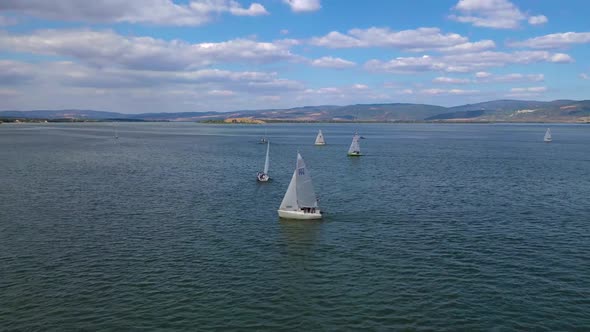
437	227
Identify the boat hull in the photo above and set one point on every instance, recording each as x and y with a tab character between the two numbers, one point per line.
320	143
299	215
354	154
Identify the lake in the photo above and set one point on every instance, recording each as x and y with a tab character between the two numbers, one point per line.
437	227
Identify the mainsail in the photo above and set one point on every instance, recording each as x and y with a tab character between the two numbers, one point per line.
355	147
548	137
319	140
305	194
266	162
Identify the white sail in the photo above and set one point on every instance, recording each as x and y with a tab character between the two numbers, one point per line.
355	147
289	202
548	137
305	193
266	162
319	140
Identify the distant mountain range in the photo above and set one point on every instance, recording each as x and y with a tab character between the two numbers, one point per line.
491	111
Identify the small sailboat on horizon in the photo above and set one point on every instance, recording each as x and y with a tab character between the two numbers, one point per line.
264	138
319	140
300	201
548	138
355	147
263	176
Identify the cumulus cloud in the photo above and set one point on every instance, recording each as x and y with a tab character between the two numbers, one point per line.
438	92
107	48
300	6
484	77
537	20
161	12
221	93
554	40
527	92
584	76
496	14
482	74
15	72
332	62
66	84
451	80
468	62
530	89
417	40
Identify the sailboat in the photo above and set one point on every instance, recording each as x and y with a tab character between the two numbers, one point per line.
319	140
263	176
355	148
300	201
548	137
263	140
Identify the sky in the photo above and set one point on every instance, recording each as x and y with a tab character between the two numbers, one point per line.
137	56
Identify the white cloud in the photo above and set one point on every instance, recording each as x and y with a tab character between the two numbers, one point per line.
482	74
515	77
221	93
331	62
15	72
561	58
300	6
65	84
530	89
439	92
468	62
555	40
360	86
527	92
584	76
417	40
162	12
537	20
451	80
448	92
496	14
107	48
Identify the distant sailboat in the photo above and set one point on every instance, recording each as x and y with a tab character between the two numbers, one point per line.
263	140
300	201
548	137
116	132
319	140
355	148
263	176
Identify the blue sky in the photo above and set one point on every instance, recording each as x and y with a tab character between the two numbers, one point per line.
220	55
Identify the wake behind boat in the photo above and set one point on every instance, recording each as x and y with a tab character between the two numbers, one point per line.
263	176
300	201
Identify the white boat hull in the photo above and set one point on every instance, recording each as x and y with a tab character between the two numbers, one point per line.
299	215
